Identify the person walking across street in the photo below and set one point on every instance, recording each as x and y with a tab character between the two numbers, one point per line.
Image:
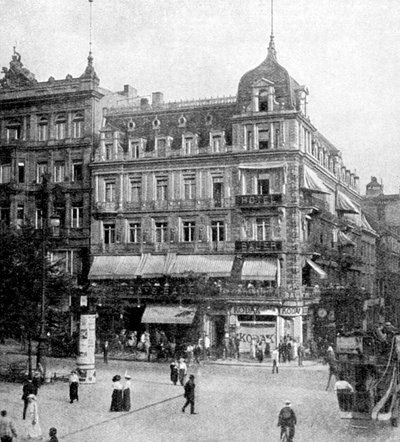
182	370
300	354
116	398
275	361
53	435
174	372
33	426
7	428
189	394
105	352
287	420
73	386
126	395
27	389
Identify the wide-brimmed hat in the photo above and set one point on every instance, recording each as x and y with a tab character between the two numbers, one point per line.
127	376
116	378
288	403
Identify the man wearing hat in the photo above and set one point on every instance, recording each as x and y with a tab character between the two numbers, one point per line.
287	419
27	389
73	386
189	394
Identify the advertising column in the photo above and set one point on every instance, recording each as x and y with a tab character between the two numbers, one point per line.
87	342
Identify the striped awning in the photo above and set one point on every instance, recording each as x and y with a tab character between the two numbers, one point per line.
217	266
151	266
312	182
321	273
114	267
171	314
259	270
345	240
344	204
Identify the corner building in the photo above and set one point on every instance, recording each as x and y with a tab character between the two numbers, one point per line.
226	216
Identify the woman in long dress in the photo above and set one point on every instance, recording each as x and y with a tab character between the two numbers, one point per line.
116	398
126	396
33	427
73	386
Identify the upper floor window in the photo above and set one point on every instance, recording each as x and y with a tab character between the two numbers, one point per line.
77	125
41	169
161	231
263	101
14	131
218	191
263	185
134	149
161	189
61	125
135	190
188	145
135	232
43	129
109	148
77	171
109	191
218	231
5	216
21	171
190	188
263	139
109	233
161	146
20	215
216	143
76	217
263	229
188	231
249	137
5	173
38	219
59	171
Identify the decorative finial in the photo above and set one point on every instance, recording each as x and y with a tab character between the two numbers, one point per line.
89	71
271	47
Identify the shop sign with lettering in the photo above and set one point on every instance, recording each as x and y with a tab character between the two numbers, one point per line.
258	333
291	311
254	310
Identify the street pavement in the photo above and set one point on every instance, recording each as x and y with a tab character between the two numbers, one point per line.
234	401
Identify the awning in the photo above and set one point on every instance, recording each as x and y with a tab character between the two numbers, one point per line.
160	314
317	269
345	240
344	204
217	266
114	267
263	165
312	182
259	270
151	266
365	224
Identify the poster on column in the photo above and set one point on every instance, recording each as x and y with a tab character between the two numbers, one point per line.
264	332
87	340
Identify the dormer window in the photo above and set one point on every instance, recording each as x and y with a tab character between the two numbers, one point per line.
77	125
263	101
131	125
43	129
182	121
209	120
134	149
188	145
61	124
156	123
217	142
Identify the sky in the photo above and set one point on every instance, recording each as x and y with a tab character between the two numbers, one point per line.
347	52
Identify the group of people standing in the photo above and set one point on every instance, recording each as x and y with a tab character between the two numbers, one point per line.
121	395
289	350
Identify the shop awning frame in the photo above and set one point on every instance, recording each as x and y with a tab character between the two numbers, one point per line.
215	266
321	273
344	204
114	267
260	270
169	314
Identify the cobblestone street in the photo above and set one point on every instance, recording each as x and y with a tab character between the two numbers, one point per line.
235	403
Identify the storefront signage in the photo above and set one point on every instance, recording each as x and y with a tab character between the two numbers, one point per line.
349	344
257	200
256	333
253	310
258	246
291	311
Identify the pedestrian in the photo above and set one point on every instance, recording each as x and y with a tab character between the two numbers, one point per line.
295	349
253	347
344	392
207	345
300	354
37	380
33	426
126	395
27	389
53	435
182	370
174	372
275	361
147	345
117	396
73	386
260	352
197	353
332	371
289	351
330	354
189	394
189	354
287	419
105	352
7	428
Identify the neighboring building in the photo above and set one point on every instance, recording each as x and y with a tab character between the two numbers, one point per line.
235	208
46	142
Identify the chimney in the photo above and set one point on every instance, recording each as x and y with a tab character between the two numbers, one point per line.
129	91
144	103
157	99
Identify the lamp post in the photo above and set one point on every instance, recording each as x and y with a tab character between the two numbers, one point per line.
55	224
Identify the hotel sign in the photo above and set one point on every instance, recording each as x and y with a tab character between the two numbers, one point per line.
257	200
258	246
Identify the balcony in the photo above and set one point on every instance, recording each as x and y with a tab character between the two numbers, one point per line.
257	201
258	246
179	204
101	206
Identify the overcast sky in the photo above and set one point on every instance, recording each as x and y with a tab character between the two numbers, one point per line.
346	51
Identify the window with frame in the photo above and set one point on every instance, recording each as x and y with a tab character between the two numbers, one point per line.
38	219
263	185
77	126
161	229
249	137
218	191
135	232
109	233
277	135
14	131
134	149
188	228
161	147
21	171
161	189
135	190
217	231
263	231
188	145
5	173
43	129
189	184
263	101
41	169
109	150
77	171
59	172
59	210
20	216
61	126
216	143
5	216
109	191
263	139
77	217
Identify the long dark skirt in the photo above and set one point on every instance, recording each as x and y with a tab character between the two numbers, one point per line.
174	376
127	399
116	401
73	391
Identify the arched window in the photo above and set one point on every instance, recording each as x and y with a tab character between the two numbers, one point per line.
61	124
43	129
77	125
263	101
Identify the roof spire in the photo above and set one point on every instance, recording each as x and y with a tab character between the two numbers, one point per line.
89	71
271	47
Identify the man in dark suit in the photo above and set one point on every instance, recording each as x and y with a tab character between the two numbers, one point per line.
27	389
189	394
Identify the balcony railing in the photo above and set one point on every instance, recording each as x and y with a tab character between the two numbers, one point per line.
244	201
178	204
